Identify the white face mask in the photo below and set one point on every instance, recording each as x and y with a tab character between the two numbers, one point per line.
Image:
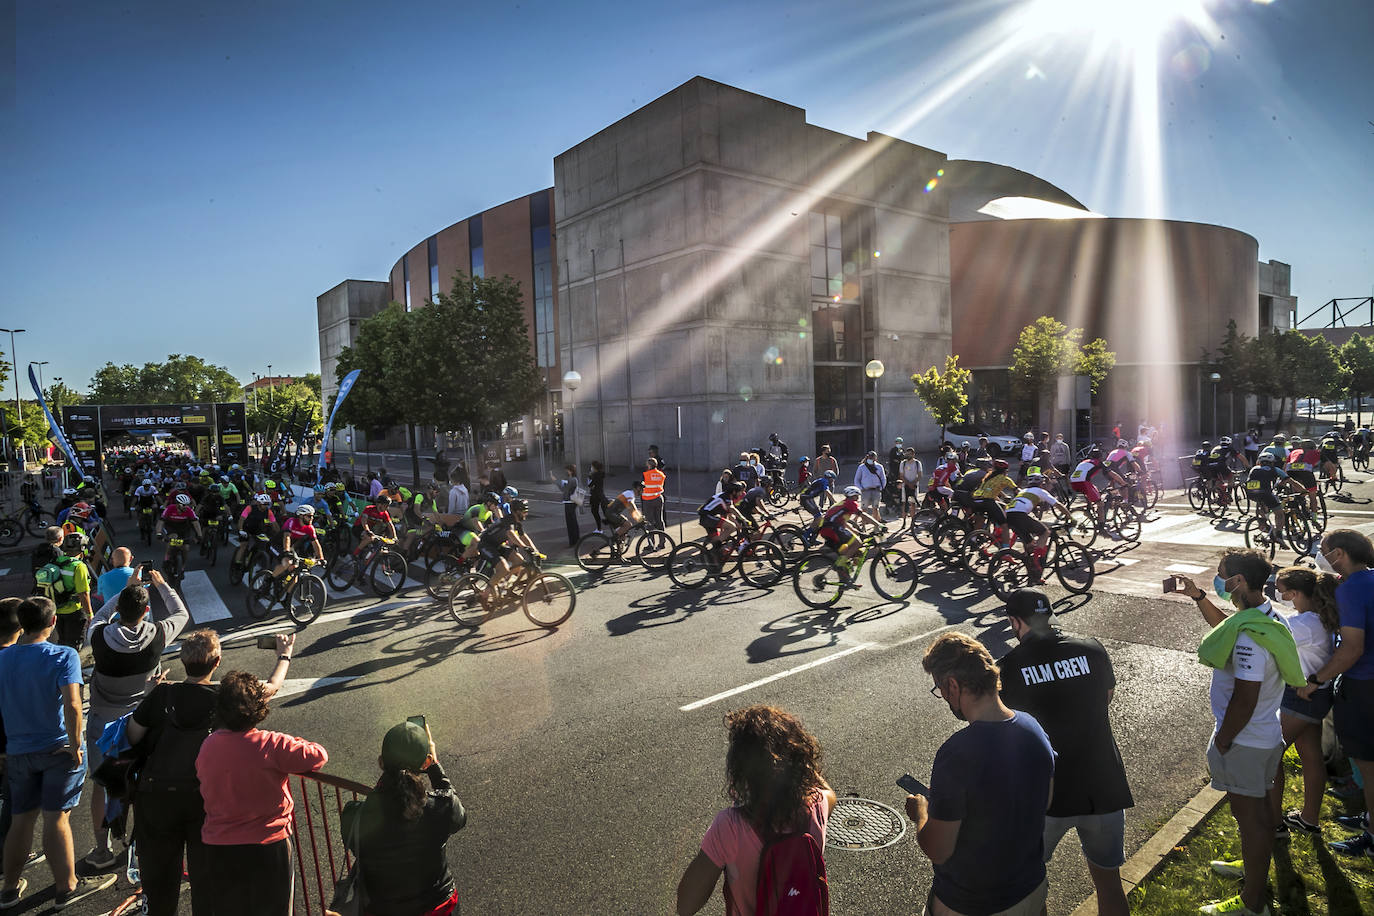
1324	564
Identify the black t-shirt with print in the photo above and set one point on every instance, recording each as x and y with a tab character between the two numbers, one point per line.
1063	681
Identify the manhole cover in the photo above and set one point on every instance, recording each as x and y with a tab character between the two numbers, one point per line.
859	823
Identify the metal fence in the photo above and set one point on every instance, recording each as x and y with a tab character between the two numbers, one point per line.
321	859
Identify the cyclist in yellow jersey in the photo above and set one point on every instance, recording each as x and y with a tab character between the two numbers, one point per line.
986	497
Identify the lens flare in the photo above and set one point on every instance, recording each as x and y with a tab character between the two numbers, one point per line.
770	355
746	393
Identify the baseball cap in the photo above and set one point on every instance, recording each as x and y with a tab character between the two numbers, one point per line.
405	747
1025	602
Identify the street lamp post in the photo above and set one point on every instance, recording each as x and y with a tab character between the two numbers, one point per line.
1215	377
271	389
571	379
18	403
874	370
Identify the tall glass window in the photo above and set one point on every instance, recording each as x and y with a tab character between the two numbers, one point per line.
475	246
405	275
541	247
432	250
827	258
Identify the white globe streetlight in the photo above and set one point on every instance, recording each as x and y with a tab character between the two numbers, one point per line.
874	370
571	380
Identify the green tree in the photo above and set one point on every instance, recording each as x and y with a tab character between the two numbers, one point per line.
178	380
945	395
269	415
1095	361
59	393
1048	349
34	431
1357	359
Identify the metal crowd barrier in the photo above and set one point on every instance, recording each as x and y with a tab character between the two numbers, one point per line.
321	859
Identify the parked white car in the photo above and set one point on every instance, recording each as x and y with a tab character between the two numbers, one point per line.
997	444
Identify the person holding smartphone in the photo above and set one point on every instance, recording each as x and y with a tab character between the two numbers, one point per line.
399	833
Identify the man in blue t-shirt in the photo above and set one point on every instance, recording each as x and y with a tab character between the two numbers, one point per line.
114	579
1351	555
990	786
40	704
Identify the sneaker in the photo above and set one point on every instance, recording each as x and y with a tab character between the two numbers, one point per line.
1281	831
1362	845
1234	868
1294	820
85	887
10	899
1354	821
100	859
34	859
1233	905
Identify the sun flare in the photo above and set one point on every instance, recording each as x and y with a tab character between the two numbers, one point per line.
1127	23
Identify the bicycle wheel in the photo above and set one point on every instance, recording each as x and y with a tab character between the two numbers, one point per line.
1074	568
791	540
307	599
1338	482
36	521
978	551
388	573
342	571
465	604
1318	516
777	496
949	537
1297	531
923	526
212	552
549	599
1241	497
1009	571
595	552
1082	526
762	564
11	532
1259	537
653	549
688	565
440	574
1197	495
893	574
1125	521
816	581
259	599
1150	489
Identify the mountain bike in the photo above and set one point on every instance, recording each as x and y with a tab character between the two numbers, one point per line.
299	591
146	523
209	545
819	580
547	598
174	560
760	563
1298	532
1015	568
256	555
1122	519
379	565
30	517
649	547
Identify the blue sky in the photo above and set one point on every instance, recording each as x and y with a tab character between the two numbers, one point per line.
189	177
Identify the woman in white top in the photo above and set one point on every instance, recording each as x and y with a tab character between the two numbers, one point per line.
1313	595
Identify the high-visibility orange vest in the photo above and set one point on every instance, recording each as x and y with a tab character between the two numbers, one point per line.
653	484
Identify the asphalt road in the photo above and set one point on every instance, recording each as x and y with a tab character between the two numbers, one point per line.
591	758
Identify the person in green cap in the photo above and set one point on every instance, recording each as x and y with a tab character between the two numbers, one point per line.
1252	654
399	832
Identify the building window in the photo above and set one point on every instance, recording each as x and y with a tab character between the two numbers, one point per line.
475	246
405	275
432	250
839	396
541	247
827	258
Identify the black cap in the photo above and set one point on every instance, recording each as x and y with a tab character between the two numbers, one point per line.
1026	602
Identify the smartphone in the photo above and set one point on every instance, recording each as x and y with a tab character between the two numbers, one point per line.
268	642
1170	585
144	572
913	785
418	720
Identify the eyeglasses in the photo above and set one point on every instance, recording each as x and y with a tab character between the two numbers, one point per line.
935	692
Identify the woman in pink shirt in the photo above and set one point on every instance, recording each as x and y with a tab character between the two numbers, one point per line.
773	776
243	778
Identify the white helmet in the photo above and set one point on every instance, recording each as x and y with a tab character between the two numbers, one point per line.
1225	440
183	499
147	481
306	510
1122	443
262	499
853	492
69	491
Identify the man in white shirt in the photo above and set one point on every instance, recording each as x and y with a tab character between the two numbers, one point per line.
458	499
871	478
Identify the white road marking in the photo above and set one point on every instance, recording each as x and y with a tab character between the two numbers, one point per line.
918	637
201	598
1186	568
1125	561
773	677
294	685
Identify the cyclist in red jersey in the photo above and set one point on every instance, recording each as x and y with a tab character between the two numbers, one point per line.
374	521
835	532
297	533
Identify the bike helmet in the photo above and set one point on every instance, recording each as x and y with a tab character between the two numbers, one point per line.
147	481
306	509
69	491
270	484
80	510
519	505
224	478
1266	458
1122	443
491	498
1144	442
984	462
1225	440
831	475
510	493
803	459
88	481
965	445
1027	438
183	499
1000	465
853	492
73	541
1206	443
1095	452
772	437
1034	477
262	499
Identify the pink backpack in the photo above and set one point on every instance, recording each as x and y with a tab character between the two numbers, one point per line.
792	879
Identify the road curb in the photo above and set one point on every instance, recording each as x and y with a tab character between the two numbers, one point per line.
1148	858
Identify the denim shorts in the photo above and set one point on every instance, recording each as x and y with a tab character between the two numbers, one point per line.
1309	710
1102	836
45	780
95	726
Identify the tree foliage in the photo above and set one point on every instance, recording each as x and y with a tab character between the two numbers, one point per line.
1095	361
34	431
1356	356
178	380
463	362
1048	349
271	412
945	394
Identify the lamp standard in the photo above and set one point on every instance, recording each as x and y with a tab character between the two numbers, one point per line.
571	379
56	402
40	373
874	370
18	404
1215	377
271	389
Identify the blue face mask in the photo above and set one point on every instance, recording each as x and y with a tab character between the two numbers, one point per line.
1219	586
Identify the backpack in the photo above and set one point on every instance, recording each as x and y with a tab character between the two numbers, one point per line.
173	757
50	580
792	880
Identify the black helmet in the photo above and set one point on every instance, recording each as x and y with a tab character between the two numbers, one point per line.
519	504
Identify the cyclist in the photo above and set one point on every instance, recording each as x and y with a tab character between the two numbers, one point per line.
1202	461
821	484
374	521
987	497
1220	465
1278	447
1329	450
255	519
212	506
942	478
969	481
803	472
475	519
1359	443
750	504
1032	499
1081	480
297	532
1260	486
498	543
621	511
1302	464
178	517
840	538
718	516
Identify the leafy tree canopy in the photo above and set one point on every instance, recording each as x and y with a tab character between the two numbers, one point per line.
180	379
270	414
945	395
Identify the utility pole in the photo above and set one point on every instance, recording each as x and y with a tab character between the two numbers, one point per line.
18	403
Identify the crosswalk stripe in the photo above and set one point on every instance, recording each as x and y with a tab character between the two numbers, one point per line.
1188	568
202	598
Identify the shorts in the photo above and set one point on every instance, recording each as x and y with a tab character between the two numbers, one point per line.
95	725
1087	489
837	534
710	522
45	780
1264	498
466	537
1242	770
1305	478
809	505
1025	525
495	553
1311	710
992	509
1354	714
1102	836
1030	905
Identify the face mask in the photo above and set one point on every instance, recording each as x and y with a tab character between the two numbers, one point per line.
957	713
1219	586
1278	601
869	463
1325	565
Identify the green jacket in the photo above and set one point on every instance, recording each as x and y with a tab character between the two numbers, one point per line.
1271	635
